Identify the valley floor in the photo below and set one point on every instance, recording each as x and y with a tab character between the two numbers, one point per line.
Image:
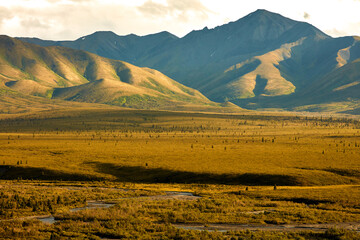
261	176
98	210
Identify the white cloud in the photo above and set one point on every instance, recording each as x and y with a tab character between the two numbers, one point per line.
181	10
178	17
306	15
335	32
34	23
5	14
70	19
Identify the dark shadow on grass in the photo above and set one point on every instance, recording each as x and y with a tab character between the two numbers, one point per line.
344	172
159	175
30	173
145	175
306	201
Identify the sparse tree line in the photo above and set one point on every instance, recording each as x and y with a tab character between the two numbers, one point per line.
36	204
150	123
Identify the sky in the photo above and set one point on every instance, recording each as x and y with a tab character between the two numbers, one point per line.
72	19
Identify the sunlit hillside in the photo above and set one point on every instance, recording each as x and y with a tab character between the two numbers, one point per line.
67	74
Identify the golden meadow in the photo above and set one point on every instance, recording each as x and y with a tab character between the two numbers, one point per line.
262	169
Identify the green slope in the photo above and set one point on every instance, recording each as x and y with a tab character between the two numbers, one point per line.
67	74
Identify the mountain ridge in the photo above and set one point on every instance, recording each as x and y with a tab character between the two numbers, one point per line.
267	68
63	73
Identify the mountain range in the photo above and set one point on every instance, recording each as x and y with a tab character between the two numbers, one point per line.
263	60
75	75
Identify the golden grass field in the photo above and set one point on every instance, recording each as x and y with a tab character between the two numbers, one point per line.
232	161
103	143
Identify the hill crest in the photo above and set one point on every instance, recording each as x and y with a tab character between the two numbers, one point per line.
63	73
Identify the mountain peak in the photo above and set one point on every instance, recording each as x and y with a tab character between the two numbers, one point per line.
163	34
263	25
98	34
103	32
262	14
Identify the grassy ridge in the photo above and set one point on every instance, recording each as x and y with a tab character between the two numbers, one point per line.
73	75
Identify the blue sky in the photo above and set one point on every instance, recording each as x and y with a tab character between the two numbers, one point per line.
71	19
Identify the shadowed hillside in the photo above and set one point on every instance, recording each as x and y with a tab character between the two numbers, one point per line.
127	48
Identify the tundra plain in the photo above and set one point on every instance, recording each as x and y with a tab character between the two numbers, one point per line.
242	176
